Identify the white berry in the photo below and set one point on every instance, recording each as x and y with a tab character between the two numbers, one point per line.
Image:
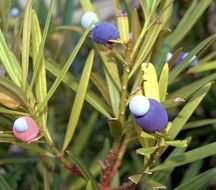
139	105
88	18
20	125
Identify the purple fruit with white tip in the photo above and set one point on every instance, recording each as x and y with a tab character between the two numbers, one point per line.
103	32
155	119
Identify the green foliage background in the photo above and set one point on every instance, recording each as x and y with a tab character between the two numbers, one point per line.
72	87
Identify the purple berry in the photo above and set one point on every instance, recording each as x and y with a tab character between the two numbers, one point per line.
193	61
103	32
155	119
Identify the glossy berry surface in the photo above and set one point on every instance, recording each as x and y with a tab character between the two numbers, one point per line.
155	119
25	129
103	32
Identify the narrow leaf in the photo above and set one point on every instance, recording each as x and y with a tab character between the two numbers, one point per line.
114	94
40	84
146	151
180	67
163	82
7	59
64	70
188	157
187	111
26	43
85	172
82	139
79	100
196	9
150	82
145	49
3	184
38	62
203	67
199	123
198	182
94	100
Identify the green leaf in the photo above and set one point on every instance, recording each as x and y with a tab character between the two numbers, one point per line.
17	160
12	112
40	84
89	186
136	178
135	26
64	70
196	9
7	58
35	148
163	82
3	184
115	128
26	43
192	171
153	184
203	67
189	89
186	61
149	81
85	172
198	182
101	86
199	123
188	157
163	176
81	138
110	66
114	94
145	49
87	5
147	151
94	100
79	100
46	185
177	143
38	62
69	27
187	111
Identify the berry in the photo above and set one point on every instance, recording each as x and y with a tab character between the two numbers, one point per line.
193	61
139	105
25	129
149	114
88	18
104	31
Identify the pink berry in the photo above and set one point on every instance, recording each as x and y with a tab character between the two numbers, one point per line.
25	129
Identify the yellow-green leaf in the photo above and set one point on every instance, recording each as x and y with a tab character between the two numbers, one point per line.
38	62
7	58
40	84
188	157
187	111
64	70
79	100
150	82
94	100
163	82
26	43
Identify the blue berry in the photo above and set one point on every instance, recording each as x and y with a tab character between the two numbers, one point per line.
104	31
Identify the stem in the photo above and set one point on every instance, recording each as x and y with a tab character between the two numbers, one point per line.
59	155
124	90
74	169
124	95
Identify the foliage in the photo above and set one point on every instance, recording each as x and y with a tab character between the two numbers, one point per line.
79	100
